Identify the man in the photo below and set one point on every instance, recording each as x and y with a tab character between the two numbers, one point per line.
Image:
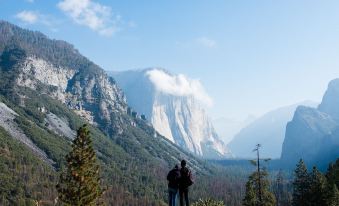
184	183
173	178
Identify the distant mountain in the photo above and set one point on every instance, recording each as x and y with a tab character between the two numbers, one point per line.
227	128
313	133
47	90
268	130
171	104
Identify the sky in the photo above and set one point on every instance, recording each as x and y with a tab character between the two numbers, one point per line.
250	56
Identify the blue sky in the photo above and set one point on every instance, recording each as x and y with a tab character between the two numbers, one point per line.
251	56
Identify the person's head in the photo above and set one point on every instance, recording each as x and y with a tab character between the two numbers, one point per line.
183	163
176	166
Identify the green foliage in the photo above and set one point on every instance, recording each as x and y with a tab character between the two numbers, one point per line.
332	198
37	44
318	188
24	179
80	183
333	173
208	202
133	162
250	198
252	190
315	188
301	185
53	145
332	176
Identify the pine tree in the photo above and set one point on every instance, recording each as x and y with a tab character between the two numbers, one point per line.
332	198
252	190
79	185
318	188
333	173
301	185
332	176
250	198
258	185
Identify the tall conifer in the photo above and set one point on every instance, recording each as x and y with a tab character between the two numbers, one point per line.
318	188
79	184
301	185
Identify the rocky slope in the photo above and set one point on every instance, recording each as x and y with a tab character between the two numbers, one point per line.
172	104
48	89
313	133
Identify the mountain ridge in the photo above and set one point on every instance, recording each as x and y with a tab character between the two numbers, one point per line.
49	90
267	130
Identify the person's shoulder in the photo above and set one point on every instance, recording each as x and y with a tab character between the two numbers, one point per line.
184	169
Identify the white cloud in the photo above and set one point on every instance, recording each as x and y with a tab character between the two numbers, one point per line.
29	17
179	85
206	42
97	17
35	17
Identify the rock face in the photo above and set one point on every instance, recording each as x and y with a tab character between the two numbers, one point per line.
7	122
35	71
173	108
313	133
55	68
267	130
34	67
46	86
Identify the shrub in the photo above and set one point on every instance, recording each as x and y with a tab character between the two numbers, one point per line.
208	202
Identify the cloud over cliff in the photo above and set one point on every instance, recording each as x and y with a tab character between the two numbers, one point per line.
179	85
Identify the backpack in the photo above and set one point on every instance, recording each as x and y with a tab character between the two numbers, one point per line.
187	178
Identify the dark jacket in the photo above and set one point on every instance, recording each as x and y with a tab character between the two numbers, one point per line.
185	178
173	178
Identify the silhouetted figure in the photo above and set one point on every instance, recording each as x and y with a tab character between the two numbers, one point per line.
184	183
173	178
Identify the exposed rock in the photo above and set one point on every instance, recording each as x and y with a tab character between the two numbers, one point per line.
7	117
180	118
35	71
313	134
92	94
59	126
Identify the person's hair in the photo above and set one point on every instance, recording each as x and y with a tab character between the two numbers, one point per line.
176	166
183	163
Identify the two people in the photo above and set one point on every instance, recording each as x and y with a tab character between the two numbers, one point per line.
179	179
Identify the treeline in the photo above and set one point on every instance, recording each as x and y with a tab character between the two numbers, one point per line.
314	188
308	188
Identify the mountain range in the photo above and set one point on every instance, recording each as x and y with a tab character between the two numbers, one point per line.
267	130
47	91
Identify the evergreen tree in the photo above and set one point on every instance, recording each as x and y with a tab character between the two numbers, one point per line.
332	198
79	185
257	186
318	188
332	174
250	198
252	190
301	185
